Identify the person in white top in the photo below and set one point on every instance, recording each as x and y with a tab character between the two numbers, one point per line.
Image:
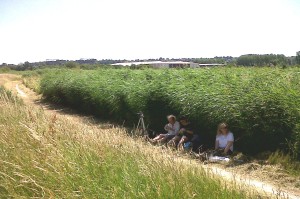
224	139
172	129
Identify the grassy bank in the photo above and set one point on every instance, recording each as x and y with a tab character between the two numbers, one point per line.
260	104
48	155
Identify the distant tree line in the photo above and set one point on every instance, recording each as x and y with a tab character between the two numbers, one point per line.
243	60
215	60
268	60
297	59
262	60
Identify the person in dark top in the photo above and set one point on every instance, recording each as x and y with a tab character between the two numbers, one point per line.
184	135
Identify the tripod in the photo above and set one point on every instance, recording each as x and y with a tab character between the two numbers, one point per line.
141	128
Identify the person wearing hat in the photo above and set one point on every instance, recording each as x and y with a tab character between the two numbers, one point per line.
172	129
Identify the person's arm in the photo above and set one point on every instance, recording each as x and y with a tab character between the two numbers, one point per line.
167	128
229	144
216	144
189	132
181	131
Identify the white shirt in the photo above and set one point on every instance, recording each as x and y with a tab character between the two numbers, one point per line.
174	128
224	139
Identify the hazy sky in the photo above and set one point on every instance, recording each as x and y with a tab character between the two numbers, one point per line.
36	30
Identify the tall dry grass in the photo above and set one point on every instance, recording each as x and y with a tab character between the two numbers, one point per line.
53	156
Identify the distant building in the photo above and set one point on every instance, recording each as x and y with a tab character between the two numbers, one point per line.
161	64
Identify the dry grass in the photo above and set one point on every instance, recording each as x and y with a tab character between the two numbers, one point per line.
32	82
52	156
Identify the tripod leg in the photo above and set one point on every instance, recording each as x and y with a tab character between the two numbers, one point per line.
138	125
137	129
144	127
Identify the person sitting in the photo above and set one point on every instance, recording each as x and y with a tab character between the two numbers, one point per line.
184	135
172	128
224	139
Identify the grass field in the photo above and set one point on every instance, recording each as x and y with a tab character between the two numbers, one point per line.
260	104
50	156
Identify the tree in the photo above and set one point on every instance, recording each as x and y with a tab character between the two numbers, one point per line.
262	60
72	65
27	66
298	57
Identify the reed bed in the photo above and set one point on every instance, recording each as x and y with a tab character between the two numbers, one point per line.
260	104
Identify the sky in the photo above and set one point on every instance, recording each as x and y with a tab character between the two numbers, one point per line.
36	30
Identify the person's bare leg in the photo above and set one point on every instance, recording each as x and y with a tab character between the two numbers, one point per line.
158	137
181	142
172	142
154	140
163	140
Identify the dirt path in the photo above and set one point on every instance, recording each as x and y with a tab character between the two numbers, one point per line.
274	189
14	84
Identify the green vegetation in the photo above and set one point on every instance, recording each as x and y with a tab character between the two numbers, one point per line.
72	65
4	69
262	60
298	58
286	161
260	104
215	60
31	79
50	156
